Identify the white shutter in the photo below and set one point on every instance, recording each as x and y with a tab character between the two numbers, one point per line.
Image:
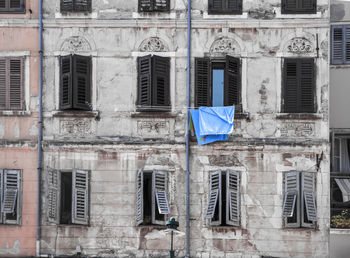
233	198
53	195
139	197
214	193
160	182
80	197
308	188
11	188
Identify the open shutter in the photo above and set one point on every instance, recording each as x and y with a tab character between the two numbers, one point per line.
202	82
16	84
307	85
291	190
233	198
82	5
144	80
81	82
3	84
11	190
290	84
66	93
161	5
53	184
308	191
66	6
232	87
80	195
159	183
139	197
234	6
214	197
145	5
337	47
160	91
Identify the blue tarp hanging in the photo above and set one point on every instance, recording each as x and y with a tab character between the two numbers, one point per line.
217	123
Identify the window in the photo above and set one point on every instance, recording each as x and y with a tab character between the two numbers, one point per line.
299	202
298	6
10	196
154	5
75	6
151	197
223	206
225	6
218	82
340	178
75	85
11	83
340	44
12	6
298	85
153	83
68	196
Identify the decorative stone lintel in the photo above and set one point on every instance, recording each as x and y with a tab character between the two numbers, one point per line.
224	45
299	45
153	44
75	44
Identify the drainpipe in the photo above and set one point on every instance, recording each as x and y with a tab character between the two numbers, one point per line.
38	233
188	129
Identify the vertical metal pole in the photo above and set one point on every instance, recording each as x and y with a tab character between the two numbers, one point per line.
171	253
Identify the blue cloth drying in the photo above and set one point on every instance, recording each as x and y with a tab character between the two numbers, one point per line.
216	120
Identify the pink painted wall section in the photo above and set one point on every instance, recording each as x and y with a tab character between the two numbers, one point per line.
29	4
17	240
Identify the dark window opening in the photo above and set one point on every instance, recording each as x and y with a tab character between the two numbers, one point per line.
294	218
66	198
12	215
147	198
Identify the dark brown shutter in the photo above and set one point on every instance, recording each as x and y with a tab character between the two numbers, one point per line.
202	82
145	5
307	6
82	5
16	93
232	87
307	75
298	6
2	5
3	84
290	91
81	82
144	80
234	6
160	81
289	6
161	5
216	6
66	94
66	6
15	4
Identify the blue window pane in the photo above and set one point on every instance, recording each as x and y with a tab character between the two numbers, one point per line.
218	87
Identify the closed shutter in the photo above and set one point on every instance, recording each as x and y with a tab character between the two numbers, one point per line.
53	195
232	87
234	6
160	190
3	5
161	5
216	6
306	85
233	198
80	197
82	5
308	191
16	5
290	86
289	6
66	6
160	67
291	190
3	84
298	6
66	89
16	84
11	190
214	195
1	191
346	31
139	197
145	5
307	6
144	80
337	47
81	82
202	82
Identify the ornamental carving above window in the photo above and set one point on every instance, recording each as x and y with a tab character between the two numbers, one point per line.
224	45
153	44
299	45
75	44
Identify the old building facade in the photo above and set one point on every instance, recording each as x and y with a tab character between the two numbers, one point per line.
115	120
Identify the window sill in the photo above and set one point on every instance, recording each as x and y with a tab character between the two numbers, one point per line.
299	116
154	14
340	231
76	15
153	114
230	16
224	229
339	66
75	113
15	113
151	227
72	225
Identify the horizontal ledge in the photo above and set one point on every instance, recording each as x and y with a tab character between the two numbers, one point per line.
15	113
153	115
75	113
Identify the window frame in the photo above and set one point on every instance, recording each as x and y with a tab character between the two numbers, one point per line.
298	10
153	7
9	10
75	7
225	10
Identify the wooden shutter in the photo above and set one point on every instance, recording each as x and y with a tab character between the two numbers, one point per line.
66	6
290	86
145	5
81	82
161	5
3	5
291	192
82	5
337	47
346	44
202	82
53	195
309	199
289	6
214	197
216	6
1	191
144	80
80	197
160	189
16	82
232	198
66	89
16	5
234	6
3	84
298	6
306	85
139	197
232	86
11	190
160	84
